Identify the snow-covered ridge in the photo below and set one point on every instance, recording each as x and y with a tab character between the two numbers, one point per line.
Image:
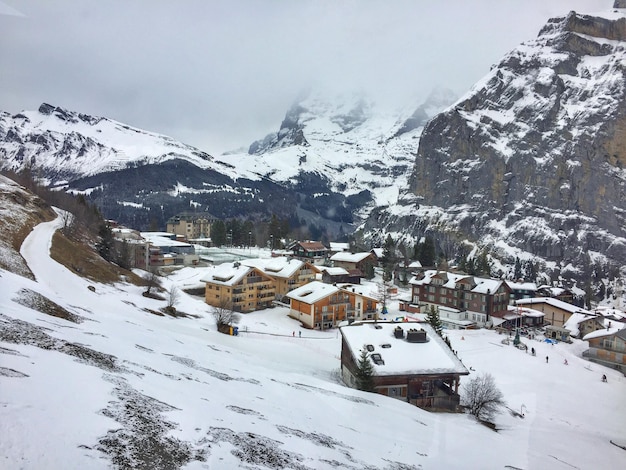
65	143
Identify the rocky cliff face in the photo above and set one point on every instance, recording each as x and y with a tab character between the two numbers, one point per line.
532	160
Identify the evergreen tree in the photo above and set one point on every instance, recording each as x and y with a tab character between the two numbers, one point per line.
389	258
369	270
517	273
218	233
427	252
105	242
365	372
483	264
433	319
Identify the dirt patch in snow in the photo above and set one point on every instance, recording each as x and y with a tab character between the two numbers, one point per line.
36	301
6	372
21	332
143	441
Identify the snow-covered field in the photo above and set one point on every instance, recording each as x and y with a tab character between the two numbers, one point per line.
115	385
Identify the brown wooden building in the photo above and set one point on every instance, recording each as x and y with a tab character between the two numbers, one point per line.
322	306
411	362
481	298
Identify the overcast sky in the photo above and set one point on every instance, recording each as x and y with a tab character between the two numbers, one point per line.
220	74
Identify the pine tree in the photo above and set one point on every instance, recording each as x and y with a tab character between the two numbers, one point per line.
433	319
389	258
365	372
105	242
218	233
517	274
427	252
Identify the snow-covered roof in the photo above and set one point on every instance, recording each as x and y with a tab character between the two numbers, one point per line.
525	286
350	257
526	312
336	271
618	328
402	357
337	247
378	252
483	285
226	274
312	292
162	239
281	266
553	302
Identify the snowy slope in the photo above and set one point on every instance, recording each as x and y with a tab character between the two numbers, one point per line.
113	384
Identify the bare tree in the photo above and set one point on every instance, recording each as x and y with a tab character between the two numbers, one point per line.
224	315
152	280
482	397
384	294
173	297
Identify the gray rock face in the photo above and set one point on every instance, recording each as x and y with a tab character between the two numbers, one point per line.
536	154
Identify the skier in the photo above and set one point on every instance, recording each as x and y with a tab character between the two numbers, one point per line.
300	334
293	333
546	359
532	351
565	362
603	377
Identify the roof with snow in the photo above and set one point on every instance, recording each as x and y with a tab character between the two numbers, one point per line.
312	292
337	247
336	271
400	356
554	303
226	274
281	266
350	257
618	330
162	239
525	286
311	246
482	285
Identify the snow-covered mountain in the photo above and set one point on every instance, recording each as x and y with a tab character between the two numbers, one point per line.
531	162
64	145
93	375
352	144
332	160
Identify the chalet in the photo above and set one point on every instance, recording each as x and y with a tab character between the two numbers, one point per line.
581	324
313	252
340	275
191	224
322	306
521	290
411	362
481	298
355	262
288	274
556	311
608	347
337	247
559	293
242	288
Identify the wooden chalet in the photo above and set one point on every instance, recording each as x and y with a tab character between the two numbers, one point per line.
411	362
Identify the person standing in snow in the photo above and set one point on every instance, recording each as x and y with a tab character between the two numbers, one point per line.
546	359
299	334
